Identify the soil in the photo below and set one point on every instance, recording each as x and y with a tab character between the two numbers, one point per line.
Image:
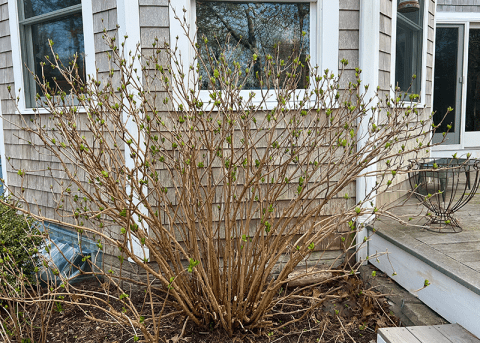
353	315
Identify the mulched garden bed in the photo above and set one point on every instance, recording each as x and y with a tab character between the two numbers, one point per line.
353	315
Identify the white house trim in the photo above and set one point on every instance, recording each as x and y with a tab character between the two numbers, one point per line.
380	339
16	52
2	154
128	16
447	151
423	94
329	13
433	62
457	17
89	46
369	55
464	84
88	37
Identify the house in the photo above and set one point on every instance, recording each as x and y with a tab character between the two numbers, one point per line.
443	269
390	40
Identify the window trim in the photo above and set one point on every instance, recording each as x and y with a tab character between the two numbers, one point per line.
423	83
323	49
17	55
63	12
27	48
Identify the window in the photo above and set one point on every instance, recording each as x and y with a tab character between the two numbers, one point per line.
244	29
409	49
305	27
44	20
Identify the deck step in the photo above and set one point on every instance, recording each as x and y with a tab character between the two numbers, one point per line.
454	289
450	333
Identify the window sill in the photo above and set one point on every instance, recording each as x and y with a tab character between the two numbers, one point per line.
447	147
30	111
406	105
266	99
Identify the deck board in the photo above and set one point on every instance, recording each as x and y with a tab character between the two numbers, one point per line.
474	265
456	247
428	334
466	256
439	238
450	333
456	333
397	335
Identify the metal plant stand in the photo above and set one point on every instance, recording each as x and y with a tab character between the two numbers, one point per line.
444	185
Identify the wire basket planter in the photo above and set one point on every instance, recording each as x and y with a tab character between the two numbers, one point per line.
444	185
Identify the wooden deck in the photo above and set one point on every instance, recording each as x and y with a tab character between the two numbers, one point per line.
452	333
449	261
458	253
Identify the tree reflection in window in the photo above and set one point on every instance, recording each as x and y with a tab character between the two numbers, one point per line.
59	21
33	8
242	29
67	35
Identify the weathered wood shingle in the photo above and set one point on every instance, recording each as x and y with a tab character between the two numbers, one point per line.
348	45
458	5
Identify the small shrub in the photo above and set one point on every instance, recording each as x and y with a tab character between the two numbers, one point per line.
18	240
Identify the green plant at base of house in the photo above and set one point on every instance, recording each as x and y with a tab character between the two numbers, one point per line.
19	239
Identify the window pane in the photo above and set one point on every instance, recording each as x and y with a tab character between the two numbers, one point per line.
37	7
472	121
67	35
414	16
247	28
409	47
445	92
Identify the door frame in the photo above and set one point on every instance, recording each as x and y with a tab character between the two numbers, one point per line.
454	136
466	138
471	137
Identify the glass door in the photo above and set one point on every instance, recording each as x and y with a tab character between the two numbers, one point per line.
447	90
472	113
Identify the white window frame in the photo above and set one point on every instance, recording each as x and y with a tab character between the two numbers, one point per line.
18	70
466	138
423	84
324	33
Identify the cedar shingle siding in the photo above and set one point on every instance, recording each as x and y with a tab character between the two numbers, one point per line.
458	5
348	46
154	22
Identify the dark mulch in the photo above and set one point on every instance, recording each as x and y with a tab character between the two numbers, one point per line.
353	314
